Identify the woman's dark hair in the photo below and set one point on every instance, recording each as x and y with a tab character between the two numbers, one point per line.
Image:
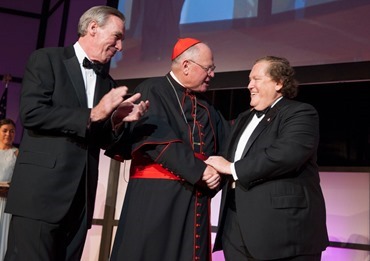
7	121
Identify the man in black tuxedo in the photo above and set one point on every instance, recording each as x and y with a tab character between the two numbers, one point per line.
272	206
69	110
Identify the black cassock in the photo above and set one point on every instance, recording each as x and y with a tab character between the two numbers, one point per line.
168	219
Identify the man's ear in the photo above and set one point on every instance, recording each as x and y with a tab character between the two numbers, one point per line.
185	66
93	27
278	86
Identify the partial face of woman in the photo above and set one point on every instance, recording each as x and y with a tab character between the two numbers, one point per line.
7	134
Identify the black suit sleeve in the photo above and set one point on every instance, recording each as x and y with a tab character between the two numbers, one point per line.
283	148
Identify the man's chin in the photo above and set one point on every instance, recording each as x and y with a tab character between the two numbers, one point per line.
203	87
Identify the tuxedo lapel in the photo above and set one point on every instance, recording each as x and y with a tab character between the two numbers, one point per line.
269	117
239	128
74	72
103	86
98	89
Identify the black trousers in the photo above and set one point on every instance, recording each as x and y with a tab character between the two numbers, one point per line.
232	242
31	239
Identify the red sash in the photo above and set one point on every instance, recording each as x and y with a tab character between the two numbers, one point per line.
154	170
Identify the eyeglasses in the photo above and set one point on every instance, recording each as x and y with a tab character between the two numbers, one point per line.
208	70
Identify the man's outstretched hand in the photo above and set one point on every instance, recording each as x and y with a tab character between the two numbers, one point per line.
128	110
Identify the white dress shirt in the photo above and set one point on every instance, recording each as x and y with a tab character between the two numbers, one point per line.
88	75
244	139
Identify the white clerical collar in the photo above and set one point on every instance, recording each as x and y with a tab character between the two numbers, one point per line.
177	80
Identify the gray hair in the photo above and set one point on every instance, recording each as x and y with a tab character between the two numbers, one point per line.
100	14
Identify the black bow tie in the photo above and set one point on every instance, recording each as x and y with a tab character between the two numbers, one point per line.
263	112
98	68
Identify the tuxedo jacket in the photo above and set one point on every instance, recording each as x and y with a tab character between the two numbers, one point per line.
57	147
279	202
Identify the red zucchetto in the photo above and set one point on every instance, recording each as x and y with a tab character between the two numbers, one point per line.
182	45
